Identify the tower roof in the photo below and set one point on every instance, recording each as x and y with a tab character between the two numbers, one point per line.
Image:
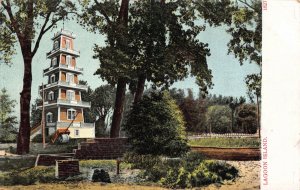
63	32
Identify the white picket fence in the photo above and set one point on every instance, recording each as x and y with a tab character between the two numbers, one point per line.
229	135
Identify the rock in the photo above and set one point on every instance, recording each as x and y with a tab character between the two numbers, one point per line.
100	176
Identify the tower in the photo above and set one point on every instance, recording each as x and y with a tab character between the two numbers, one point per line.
63	106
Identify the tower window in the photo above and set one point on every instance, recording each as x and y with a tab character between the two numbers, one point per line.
70	95
55	45
76	132
49	117
52	79
68	44
70	78
71	114
54	61
69	61
51	96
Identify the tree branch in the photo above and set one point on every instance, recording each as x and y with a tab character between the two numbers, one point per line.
12	19
103	12
42	32
246	3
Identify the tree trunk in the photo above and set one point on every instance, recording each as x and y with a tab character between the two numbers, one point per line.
258	116
232	120
119	108
23	141
121	85
140	89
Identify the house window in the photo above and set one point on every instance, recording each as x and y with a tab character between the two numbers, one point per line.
49	117
68	44
51	96
76	132
55	45
71	114
52	79
70	95
54	61
70	78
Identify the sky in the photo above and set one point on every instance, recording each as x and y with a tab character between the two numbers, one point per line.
228	74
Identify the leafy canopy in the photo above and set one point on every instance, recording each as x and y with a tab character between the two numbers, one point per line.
159	42
26	22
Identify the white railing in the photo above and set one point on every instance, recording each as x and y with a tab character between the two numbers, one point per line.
67	50
216	135
64	66
81	124
64	83
73	102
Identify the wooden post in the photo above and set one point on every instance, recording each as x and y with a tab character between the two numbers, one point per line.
43	117
118	166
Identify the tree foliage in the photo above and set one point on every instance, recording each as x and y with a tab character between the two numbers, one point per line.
218	119
246	118
155	126
8	131
36	113
102	101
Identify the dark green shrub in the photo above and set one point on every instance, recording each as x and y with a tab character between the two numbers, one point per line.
192	170
155	126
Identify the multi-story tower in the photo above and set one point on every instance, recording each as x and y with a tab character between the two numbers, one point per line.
63	106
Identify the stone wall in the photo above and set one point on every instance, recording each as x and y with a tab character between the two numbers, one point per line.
50	159
66	168
102	148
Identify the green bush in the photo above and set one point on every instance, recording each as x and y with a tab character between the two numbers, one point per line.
192	170
30	176
8	134
155	126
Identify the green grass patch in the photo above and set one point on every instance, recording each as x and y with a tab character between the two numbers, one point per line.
226	142
108	165
7	164
39	174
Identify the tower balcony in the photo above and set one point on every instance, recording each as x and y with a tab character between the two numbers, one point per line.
67	124
65	85
66	102
63	67
63	50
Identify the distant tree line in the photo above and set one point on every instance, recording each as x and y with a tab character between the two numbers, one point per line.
216	113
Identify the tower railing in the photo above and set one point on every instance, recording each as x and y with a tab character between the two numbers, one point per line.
65	83
65	50
63	66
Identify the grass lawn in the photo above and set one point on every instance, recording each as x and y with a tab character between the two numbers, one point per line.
226	142
80	185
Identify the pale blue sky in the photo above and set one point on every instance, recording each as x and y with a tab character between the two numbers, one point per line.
228	75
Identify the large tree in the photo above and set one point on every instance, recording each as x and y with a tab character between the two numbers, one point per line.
26	22
111	19
155	44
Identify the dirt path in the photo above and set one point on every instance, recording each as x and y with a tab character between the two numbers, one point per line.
249	172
